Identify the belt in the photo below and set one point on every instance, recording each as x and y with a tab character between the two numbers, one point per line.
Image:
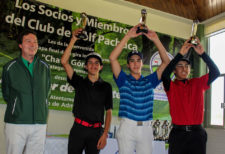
86	124
187	128
137	123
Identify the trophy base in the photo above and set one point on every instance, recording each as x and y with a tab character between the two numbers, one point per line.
142	29
82	36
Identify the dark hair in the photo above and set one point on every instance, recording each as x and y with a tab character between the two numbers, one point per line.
93	55
25	32
134	52
185	59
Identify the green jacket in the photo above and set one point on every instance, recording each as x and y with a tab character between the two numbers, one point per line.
26	96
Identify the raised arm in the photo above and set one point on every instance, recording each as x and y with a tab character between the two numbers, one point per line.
213	69
169	69
162	52
116	68
66	55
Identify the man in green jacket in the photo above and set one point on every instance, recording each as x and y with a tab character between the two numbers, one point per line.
25	88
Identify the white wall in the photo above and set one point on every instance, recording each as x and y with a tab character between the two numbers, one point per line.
215	24
216	136
60	122
216	141
128	13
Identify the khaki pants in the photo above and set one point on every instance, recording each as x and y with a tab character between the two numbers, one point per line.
134	137
25	138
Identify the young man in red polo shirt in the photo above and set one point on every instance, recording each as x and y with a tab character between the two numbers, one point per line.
186	99
93	97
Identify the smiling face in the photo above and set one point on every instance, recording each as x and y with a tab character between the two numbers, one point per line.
135	65
182	70
29	46
93	66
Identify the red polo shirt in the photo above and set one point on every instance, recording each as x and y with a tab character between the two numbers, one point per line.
187	100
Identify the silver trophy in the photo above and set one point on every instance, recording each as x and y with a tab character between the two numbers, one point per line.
193	32
143	27
156	130
165	130
84	17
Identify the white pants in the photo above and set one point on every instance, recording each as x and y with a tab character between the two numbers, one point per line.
131	137
25	138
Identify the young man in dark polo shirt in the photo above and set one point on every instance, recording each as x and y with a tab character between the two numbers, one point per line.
92	97
186	99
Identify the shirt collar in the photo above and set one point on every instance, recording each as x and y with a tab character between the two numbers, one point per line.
99	79
181	82
26	62
132	78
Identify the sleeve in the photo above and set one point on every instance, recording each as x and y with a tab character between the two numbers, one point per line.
213	69
121	79
168	71
203	82
49	81
5	85
153	78
109	100
75	80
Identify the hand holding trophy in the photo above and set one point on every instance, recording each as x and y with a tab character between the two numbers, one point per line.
82	35
142	28
193	39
